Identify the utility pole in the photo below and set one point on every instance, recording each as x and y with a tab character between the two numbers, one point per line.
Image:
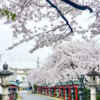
38	62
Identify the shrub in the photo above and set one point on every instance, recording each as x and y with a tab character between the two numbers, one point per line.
35	88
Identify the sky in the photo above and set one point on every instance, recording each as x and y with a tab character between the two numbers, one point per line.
19	56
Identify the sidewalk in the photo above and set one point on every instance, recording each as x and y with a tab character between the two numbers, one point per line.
53	98
19	97
29	96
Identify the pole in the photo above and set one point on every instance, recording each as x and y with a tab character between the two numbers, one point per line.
69	93
93	93
76	93
4	89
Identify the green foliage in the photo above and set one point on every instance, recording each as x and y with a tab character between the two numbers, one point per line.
0	97
86	94
13	16
98	96
35	88
23	78
9	14
16	96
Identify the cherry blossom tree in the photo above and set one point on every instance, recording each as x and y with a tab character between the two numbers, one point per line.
69	60
42	76
37	20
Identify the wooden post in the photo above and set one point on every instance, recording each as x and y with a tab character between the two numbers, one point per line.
69	92
50	91
76	92
59	92
54	91
64	91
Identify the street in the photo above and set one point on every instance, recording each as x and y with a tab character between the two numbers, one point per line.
26	96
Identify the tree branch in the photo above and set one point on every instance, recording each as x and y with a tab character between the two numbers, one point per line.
32	37
63	17
80	7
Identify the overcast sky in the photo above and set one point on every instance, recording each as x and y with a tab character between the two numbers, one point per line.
19	56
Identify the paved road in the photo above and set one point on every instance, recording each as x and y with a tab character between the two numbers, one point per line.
26	96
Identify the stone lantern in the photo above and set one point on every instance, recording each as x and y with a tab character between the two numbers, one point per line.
93	83
4	85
